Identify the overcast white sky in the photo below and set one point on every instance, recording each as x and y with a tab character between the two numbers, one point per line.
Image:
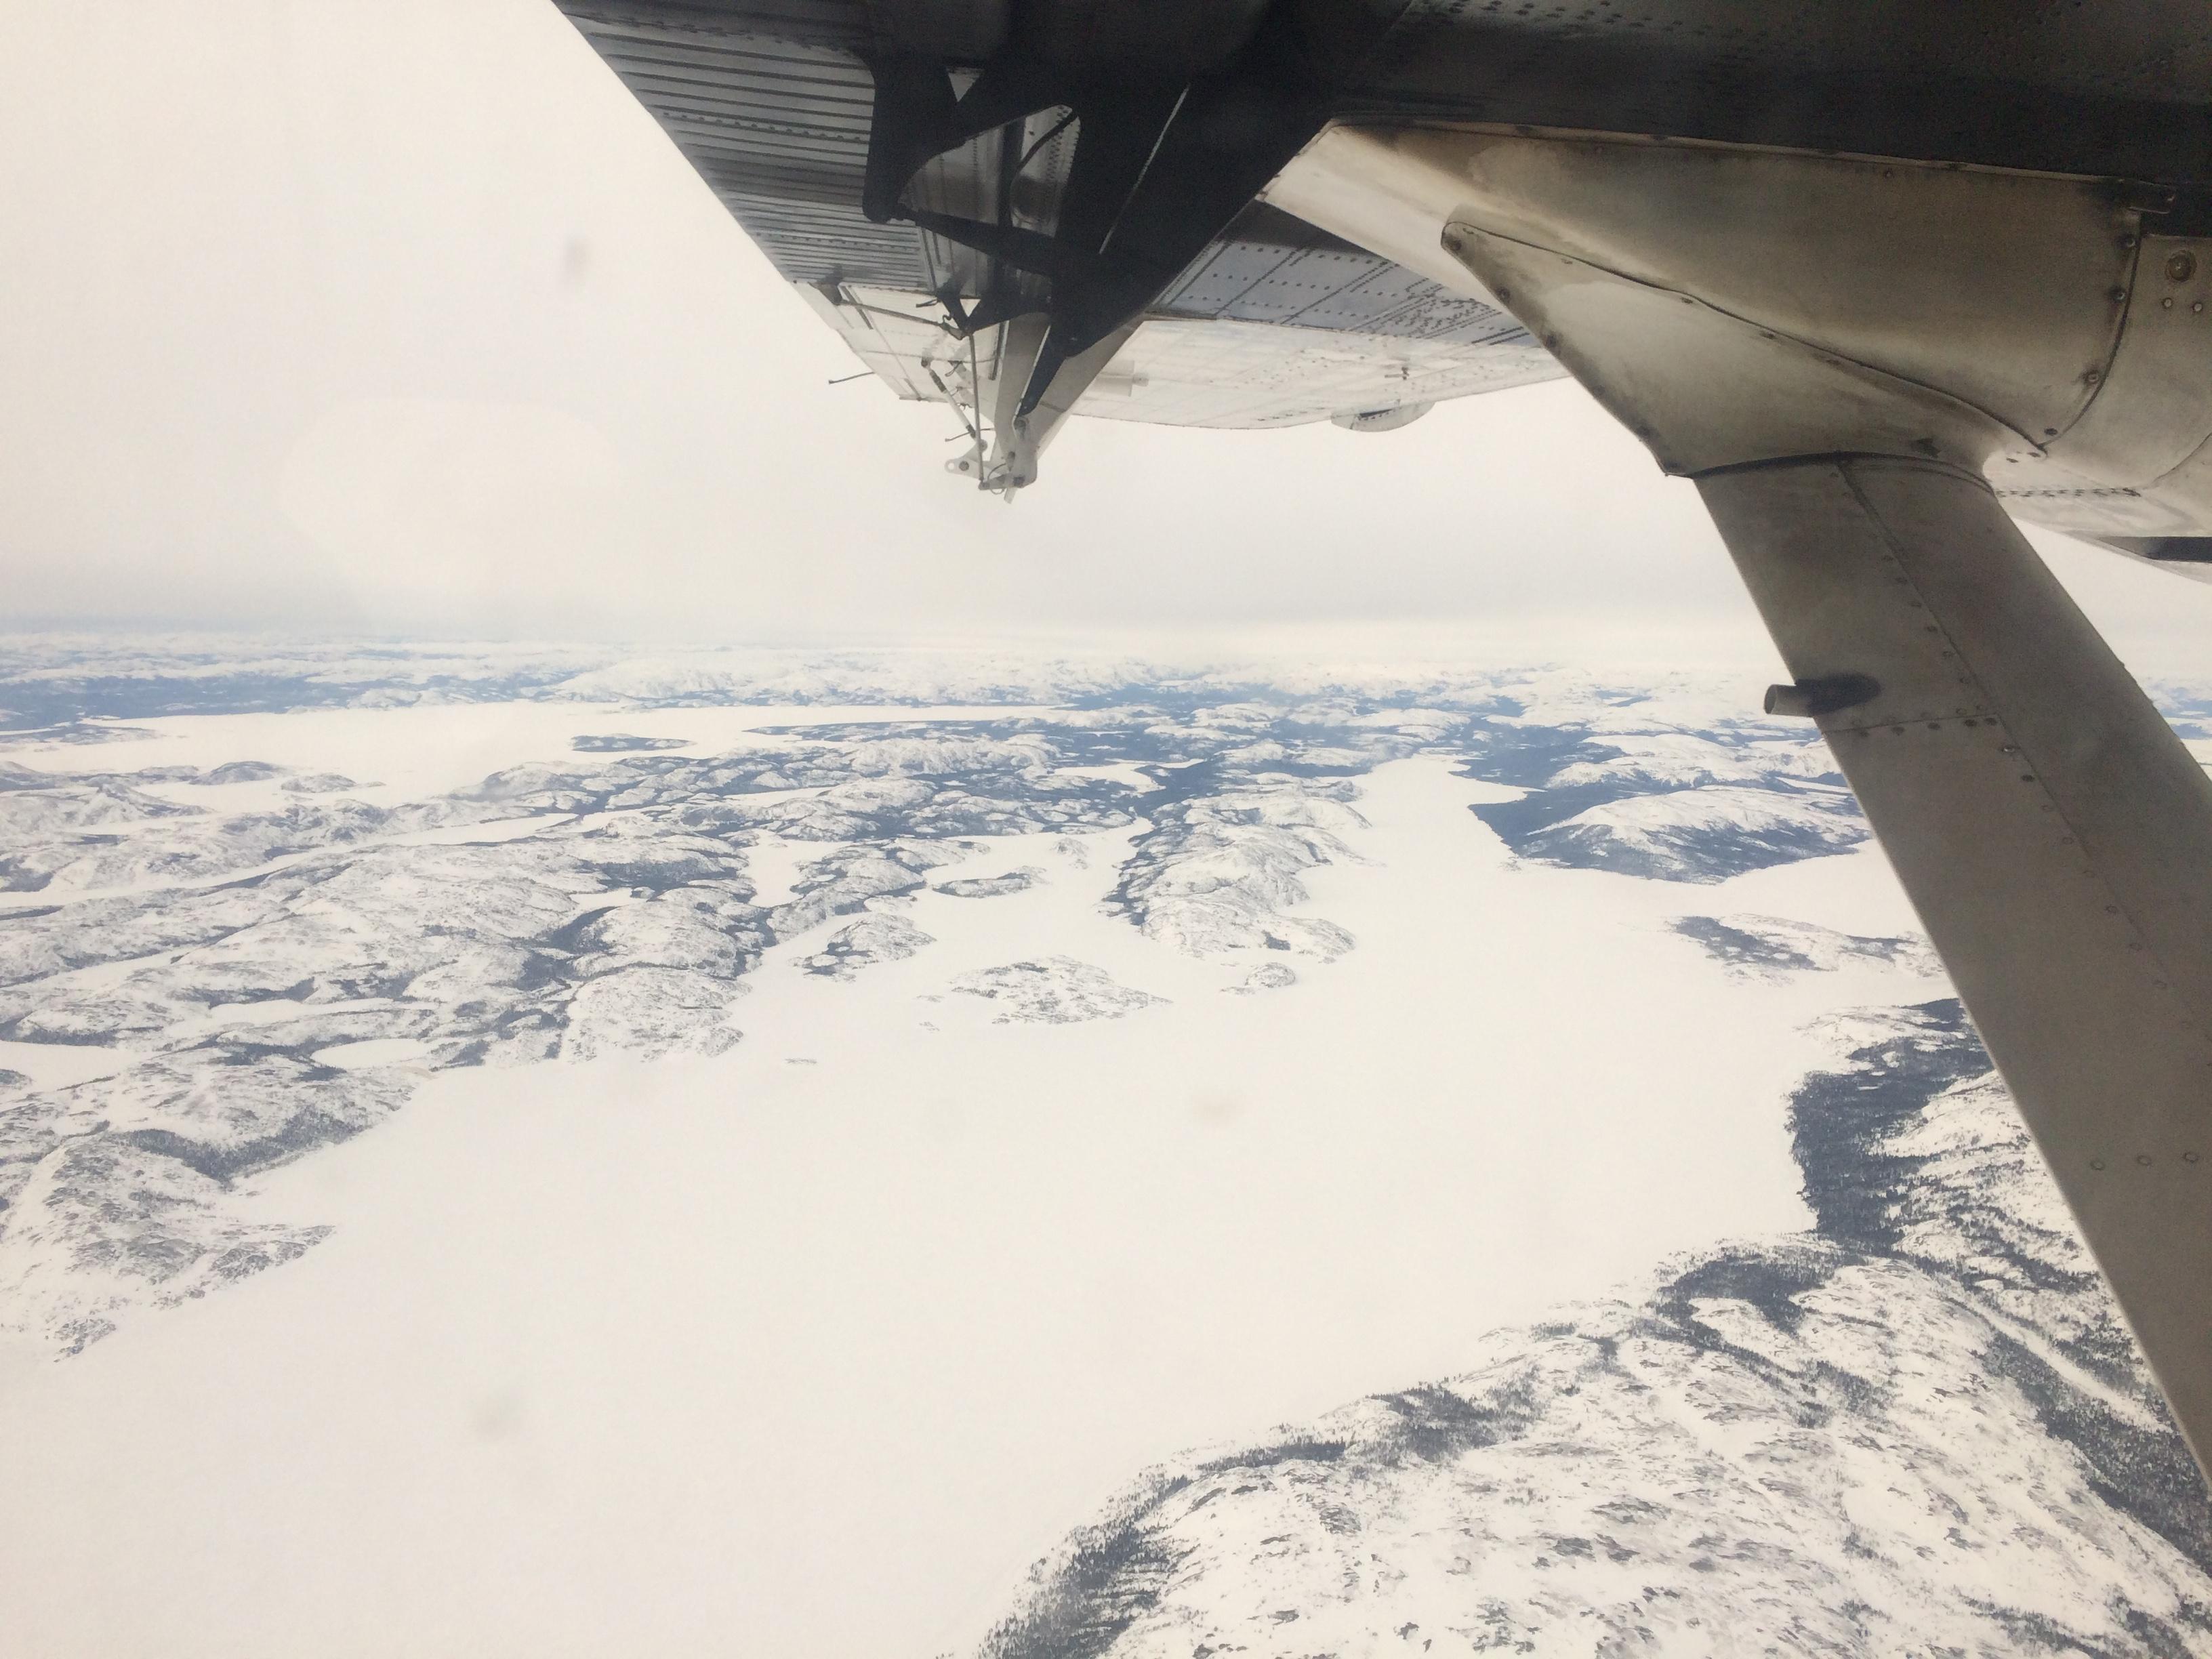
399	315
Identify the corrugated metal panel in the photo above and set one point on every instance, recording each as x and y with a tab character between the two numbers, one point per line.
771	104
1214	371
1271	268
1221	373
841	23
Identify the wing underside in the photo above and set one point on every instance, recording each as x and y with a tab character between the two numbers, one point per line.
1272	323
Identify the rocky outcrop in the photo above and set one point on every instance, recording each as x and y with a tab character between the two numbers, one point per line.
1919	1428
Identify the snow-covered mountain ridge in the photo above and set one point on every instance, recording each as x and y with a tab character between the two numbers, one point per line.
1919	1429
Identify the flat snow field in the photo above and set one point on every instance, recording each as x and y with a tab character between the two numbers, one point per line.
809	1348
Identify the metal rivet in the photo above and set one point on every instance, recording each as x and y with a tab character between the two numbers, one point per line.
2199	306
2096	1163
2166	304
2092	377
2182	266
2143	1158
2116	294
2189	1157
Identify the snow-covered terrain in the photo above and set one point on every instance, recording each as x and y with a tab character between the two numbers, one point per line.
1050	1063
220	934
1918	1428
1765	946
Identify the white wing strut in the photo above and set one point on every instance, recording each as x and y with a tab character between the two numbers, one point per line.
2052	830
1837	349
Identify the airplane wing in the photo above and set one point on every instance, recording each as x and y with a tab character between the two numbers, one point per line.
1877	277
1267	321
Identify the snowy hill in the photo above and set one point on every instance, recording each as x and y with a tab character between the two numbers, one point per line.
1919	1429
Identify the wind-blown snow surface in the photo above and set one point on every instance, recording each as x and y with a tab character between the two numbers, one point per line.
834	1117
